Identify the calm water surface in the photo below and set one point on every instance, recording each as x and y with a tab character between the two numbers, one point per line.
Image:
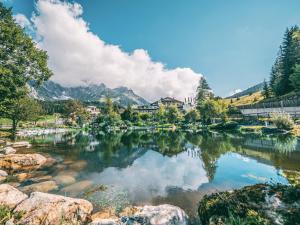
166	167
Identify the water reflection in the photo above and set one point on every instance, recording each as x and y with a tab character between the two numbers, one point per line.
168	167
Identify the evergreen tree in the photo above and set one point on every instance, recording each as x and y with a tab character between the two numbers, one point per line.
288	57
266	91
295	78
203	92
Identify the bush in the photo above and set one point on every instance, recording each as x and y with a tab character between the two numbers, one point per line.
230	125
283	121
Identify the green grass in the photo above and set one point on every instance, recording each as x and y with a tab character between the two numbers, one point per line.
6	214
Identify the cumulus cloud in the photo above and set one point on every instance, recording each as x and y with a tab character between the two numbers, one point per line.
153	174
22	20
79	57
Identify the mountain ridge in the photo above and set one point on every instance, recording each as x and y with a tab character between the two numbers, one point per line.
52	91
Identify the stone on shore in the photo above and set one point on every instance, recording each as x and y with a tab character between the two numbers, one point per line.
8	150
53	209
21	144
3	175
22	161
45	186
147	215
10	196
158	215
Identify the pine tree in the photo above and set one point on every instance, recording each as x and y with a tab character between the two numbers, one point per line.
203	91
288	57
266	92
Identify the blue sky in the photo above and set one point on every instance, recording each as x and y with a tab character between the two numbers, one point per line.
232	43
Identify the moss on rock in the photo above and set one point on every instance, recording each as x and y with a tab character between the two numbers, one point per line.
253	205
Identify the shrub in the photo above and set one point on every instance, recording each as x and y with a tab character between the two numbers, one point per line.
283	121
230	125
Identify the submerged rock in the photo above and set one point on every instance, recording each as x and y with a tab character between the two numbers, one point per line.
64	179
10	196
74	189
22	161
258	204
45	186
53	210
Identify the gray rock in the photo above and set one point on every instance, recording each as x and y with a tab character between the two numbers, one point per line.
52	209
10	196
157	215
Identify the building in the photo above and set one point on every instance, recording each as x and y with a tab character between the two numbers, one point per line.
93	111
153	107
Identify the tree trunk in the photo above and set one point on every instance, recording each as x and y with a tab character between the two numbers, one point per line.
14	127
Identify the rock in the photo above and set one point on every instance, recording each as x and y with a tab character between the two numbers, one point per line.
41	178
45	186
76	188
51	209
22	161
64	179
147	215
23	176
21	144
78	165
158	215
272	204
3	175
105	222
49	162
10	196
8	150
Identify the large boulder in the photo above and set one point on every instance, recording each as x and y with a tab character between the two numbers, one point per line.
147	215
10	196
53	210
158	215
22	161
258	204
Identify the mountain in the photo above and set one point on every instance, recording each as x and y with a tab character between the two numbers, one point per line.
250	90
51	91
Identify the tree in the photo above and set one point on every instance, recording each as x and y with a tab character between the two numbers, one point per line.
266	91
173	115
78	110
160	115
203	91
24	109
295	78
192	116
288	57
20	62
127	114
212	109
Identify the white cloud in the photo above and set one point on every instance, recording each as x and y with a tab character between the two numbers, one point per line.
152	175
22	20
79	57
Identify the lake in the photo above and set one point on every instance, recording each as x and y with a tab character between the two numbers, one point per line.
177	168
